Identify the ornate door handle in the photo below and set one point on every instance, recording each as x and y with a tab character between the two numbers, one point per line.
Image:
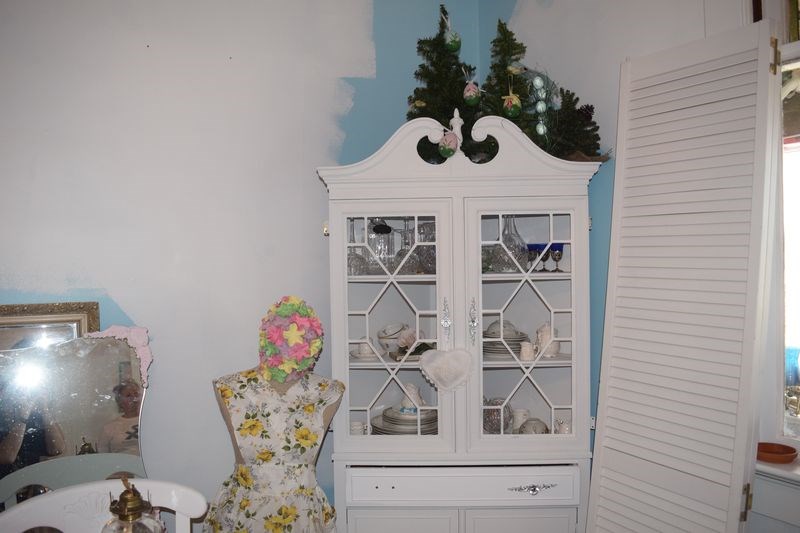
446	322
473	321
533	489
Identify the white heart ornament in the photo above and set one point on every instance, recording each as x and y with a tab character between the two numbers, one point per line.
446	370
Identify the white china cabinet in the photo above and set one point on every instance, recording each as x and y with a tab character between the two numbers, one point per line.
489	259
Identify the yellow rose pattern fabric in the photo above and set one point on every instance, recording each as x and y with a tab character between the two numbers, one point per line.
279	436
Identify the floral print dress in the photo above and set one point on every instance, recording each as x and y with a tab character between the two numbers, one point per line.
279	437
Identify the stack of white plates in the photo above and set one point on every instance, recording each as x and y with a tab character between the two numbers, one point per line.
496	350
358	356
393	422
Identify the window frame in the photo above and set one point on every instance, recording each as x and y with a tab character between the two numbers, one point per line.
773	364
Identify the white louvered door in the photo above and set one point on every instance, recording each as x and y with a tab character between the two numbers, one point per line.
674	444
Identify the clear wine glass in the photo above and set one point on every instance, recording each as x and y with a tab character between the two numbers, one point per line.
557	253
545	256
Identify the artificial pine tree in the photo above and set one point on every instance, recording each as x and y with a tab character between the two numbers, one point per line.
443	77
564	131
547	114
505	78
573	133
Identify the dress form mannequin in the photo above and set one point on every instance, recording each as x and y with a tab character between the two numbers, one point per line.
277	414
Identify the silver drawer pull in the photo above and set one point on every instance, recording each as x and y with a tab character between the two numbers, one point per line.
533	490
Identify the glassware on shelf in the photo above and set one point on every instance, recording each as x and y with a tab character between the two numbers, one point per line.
357	264
534	249
495	258
497	416
411	264
514	242
381	242
556	253
427	251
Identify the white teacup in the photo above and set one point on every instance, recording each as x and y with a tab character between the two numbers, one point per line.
527	351
518	417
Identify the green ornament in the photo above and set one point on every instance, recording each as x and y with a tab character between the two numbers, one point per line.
472	94
453	41
512	106
448	145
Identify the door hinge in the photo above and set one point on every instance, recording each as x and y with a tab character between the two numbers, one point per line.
776	56
590	223
747	495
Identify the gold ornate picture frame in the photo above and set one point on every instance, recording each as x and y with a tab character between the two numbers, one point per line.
25	325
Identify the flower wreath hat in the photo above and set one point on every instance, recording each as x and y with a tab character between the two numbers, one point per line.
289	340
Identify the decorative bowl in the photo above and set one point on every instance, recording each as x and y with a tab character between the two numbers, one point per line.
772	452
492	417
509	329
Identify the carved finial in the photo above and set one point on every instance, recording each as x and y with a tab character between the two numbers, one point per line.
455	126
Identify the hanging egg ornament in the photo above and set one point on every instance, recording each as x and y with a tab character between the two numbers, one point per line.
541	107
538	82
541	129
452	41
448	145
512	106
472	94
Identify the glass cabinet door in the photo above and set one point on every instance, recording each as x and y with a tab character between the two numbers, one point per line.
527	322
392	301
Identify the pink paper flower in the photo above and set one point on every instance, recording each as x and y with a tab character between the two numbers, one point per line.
275	335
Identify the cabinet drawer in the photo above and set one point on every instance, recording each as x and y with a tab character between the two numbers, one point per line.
463	486
557	520
402	520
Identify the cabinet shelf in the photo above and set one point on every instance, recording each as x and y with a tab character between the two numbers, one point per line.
381	366
518	276
561	360
372	278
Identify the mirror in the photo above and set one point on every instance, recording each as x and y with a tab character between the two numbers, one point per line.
77	403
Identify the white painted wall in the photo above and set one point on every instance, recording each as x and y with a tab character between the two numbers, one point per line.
581	44
166	151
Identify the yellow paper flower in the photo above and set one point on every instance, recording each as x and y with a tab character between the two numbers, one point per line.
309	408
244	504
251	427
266	373
288	365
293	335
315	346
293	300
243	477
305	437
265	455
